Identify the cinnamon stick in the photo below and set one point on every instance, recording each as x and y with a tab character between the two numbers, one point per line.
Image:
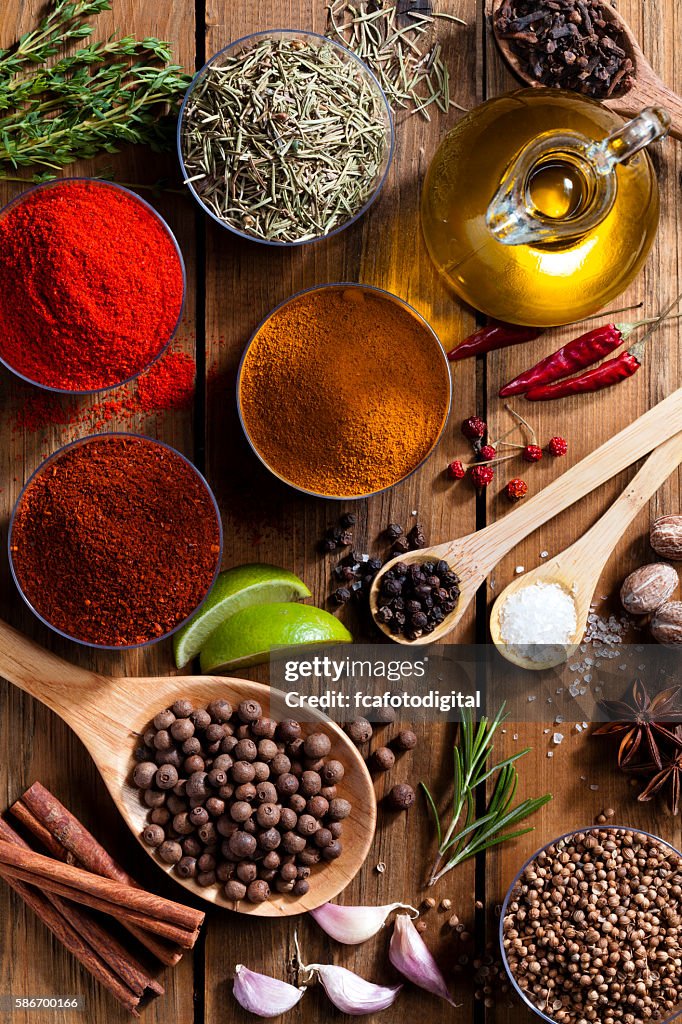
53	847
115	893
114	955
69	937
76	839
181	936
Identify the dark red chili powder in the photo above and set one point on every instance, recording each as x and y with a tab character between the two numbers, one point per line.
91	285
116	541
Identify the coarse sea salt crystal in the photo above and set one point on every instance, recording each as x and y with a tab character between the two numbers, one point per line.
538	620
558	738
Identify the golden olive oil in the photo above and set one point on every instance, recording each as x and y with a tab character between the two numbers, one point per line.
538	283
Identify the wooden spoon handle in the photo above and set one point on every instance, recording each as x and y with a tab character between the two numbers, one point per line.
616	454
39	672
600	539
650	91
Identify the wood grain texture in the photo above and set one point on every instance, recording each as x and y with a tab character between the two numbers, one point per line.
266	522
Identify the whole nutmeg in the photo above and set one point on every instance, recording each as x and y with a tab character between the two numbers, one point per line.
666	537
360	731
401	797
648	587
383	759
666	625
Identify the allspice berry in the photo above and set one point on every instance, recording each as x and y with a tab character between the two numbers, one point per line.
249	711
340	809
153	835
242	845
360	731
301	887
144	774
235	890
332	773
182	708
258	891
288	730
383	759
401	797
405	740
166	777
317	744
220	710
170	852
186	867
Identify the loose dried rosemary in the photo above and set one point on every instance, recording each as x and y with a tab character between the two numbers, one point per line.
395	39
89	101
286	140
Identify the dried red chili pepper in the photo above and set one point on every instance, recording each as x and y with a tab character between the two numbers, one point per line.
573	356
498	334
91	285
494	335
613	371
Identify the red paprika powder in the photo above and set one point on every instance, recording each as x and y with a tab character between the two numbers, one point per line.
91	285
116	540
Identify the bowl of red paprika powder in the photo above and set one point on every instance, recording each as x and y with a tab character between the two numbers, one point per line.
115	541
92	285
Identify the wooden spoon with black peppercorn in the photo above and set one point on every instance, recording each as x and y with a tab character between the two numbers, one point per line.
647	90
111	715
472	558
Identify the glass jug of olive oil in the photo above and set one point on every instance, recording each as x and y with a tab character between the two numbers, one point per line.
540	206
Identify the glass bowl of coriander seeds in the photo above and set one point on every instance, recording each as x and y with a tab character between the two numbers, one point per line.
591	928
285	137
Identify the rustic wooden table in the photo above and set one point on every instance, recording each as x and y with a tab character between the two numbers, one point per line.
231	286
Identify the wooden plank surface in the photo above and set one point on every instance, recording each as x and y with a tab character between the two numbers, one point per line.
266	522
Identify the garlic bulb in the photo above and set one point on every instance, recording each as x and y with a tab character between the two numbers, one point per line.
352	925
352	994
262	995
410	955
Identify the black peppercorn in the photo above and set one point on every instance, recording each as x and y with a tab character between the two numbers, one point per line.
341	595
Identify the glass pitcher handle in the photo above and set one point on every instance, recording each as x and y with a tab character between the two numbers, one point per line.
651	124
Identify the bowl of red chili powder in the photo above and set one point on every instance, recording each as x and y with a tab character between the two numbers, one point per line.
115	541
92	285
344	391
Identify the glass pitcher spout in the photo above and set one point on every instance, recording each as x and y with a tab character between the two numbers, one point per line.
562	185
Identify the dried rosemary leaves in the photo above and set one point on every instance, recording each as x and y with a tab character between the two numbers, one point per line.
286	140
396	40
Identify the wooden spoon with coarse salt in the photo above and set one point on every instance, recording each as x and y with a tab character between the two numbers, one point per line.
648	89
577	569
475	556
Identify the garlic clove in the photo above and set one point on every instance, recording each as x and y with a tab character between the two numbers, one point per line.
352	994
352	925
262	995
410	955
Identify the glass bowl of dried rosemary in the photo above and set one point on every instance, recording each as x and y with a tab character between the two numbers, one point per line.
285	137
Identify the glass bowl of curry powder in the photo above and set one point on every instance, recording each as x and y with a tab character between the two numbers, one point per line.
115	541
343	391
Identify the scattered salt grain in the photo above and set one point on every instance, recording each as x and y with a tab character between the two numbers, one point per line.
519	569
550	753
543	554
558	738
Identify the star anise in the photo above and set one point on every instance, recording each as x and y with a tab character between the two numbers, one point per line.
670	772
641	720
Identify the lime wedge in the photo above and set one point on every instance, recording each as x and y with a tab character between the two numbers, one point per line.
248	637
235	589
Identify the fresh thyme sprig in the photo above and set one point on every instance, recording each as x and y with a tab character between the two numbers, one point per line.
87	102
471	770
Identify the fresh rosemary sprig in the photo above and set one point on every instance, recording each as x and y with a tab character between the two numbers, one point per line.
86	102
471	771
